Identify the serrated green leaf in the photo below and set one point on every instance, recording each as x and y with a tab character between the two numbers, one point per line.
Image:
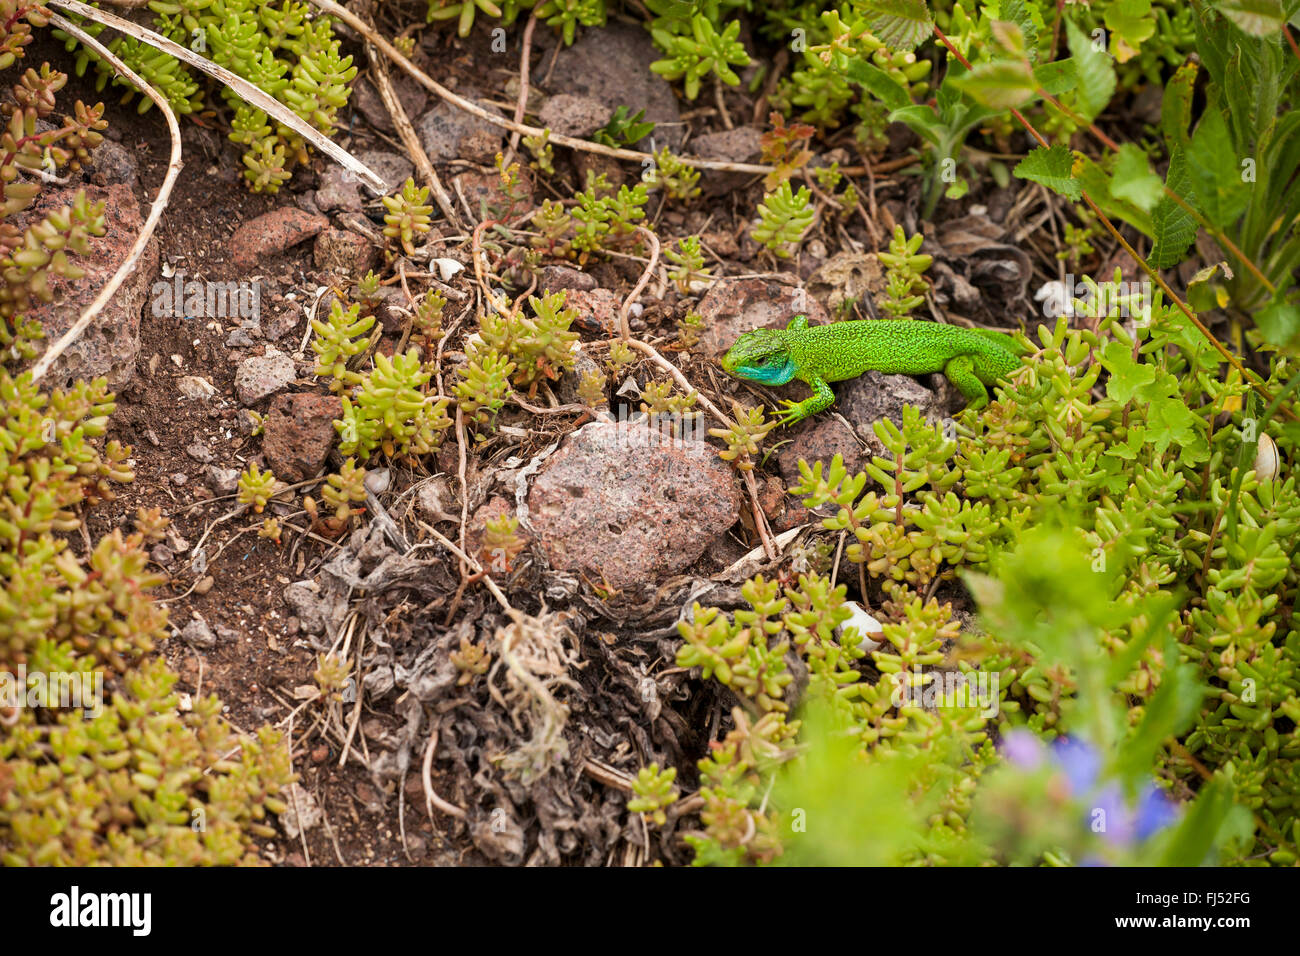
1173	228
999	84
1017	11
1009	36
1051	168
1133	180
1259	18
899	24
1095	72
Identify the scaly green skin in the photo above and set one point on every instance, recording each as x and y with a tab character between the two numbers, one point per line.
971	358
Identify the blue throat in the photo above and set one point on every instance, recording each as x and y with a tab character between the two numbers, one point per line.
771	374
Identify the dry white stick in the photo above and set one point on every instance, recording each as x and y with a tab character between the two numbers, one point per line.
246	90
155	211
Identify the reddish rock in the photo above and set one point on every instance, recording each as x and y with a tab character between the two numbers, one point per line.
299	434
597	310
273	233
734	306
480	188
343	252
109	346
626	504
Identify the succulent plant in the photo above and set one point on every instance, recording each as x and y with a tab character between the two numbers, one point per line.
345	488
539	346
407	215
391	411
256	487
704	51
484	383
784	217
342	336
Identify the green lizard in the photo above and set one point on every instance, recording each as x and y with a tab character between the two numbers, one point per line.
971	358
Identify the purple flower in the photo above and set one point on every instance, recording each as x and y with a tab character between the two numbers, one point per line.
1155	811
1110	818
1108	813
1080	762
1023	748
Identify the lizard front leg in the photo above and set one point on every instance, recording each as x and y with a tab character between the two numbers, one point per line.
961	372
821	398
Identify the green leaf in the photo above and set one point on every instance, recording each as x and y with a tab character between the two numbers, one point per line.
1169	418
1127	376
1176	105
1133	180
877	82
899	24
1215	173
1000	84
1018	12
1096	183
1279	323
1132	23
1095	71
1259	18
1212	817
1173	227
1051	168
1057	77
921	121
1009	36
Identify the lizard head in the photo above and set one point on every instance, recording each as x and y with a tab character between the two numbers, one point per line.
760	356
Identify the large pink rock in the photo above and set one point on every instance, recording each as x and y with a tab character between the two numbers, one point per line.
628	505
